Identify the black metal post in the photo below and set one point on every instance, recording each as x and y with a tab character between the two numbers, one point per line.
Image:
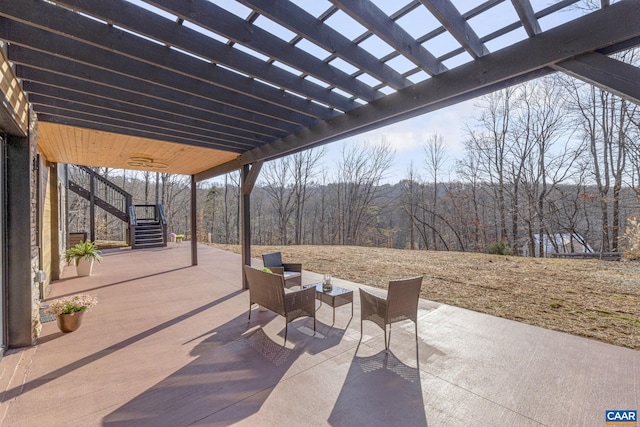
92	206
245	208
18	241
194	234
55	222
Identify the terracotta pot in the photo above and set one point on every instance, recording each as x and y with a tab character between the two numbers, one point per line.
69	322
84	267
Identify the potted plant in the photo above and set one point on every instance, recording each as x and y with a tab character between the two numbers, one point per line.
70	310
83	255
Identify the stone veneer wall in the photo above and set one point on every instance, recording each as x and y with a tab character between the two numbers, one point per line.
35	244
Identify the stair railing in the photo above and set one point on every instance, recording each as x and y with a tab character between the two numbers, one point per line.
163	221
101	191
146	213
133	222
107	190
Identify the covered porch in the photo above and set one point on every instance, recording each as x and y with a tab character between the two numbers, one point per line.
169	344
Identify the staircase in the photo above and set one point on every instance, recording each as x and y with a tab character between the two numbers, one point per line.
148	226
147	223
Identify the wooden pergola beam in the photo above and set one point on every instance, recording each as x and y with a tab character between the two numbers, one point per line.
14	107
372	18
454	22
527	17
606	73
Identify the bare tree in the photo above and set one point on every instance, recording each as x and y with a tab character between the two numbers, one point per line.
435	158
490	142
541	125
409	202
279	184
231	199
606	124
304	169
361	170
468	171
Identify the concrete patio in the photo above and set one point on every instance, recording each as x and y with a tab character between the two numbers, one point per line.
169	345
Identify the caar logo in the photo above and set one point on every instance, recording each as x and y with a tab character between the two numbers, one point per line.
620	418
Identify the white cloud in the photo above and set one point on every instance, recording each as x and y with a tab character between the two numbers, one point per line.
409	137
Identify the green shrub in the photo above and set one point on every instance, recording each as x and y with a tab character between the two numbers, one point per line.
499	248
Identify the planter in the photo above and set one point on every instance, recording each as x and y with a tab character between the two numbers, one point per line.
84	267
69	322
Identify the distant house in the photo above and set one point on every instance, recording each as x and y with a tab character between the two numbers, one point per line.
559	243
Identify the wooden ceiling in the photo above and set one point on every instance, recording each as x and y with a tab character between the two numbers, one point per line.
205	87
89	147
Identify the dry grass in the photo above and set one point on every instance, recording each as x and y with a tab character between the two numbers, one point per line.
590	298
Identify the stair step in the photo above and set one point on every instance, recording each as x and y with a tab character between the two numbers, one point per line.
148	226
148	245
148	232
150	239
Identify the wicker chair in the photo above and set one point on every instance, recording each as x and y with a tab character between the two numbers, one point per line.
267	290
401	304
292	272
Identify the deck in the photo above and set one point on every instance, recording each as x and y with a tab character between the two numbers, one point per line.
169	345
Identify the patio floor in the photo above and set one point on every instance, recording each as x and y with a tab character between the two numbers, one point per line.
169	345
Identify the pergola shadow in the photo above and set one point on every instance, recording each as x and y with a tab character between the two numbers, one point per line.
237	366
382	390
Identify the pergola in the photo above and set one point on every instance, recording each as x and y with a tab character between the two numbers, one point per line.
204	87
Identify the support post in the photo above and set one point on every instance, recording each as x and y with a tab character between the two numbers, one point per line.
194	232
248	177
18	241
92	206
54	189
245	208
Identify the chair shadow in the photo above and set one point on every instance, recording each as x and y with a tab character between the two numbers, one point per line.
234	371
380	390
